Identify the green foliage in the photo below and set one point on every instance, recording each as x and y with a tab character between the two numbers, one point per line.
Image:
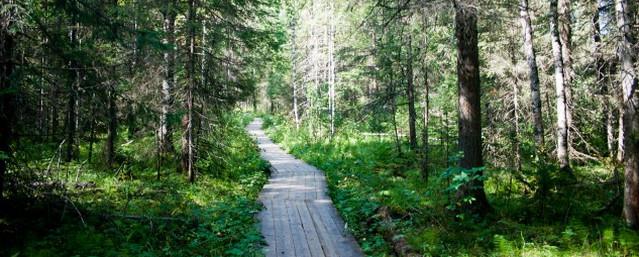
138	215
365	174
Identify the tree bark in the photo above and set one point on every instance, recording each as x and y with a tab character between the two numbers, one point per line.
628	78
564	21
470	142
293	71
516	132
601	81
187	139
7	97
165	132
73	81
92	129
621	135
560	91
410	95
426	117
112	126
531	59
331	69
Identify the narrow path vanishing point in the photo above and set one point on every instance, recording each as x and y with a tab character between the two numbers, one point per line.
299	219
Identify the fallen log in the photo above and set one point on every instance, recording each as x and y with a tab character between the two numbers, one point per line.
400	246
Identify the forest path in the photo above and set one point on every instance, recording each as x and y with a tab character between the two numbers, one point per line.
299	219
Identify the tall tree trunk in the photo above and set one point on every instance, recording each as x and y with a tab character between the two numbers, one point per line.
74	82
7	97
564	21
203	61
533	73
165	132
560	91
393	105
601	82
187	140
410	95
470	142
53	127
610	128
42	112
426	103
516	130
92	129
296	113
426	119
628	78
331	69
112	125
621	150
444	135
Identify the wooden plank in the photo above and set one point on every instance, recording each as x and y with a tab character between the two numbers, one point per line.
267	228
297	231
312	237
283	240
309	181
346	245
326	240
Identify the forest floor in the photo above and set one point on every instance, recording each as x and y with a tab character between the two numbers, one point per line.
299	218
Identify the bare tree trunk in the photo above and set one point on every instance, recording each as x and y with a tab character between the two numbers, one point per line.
564	21
393	105
470	142
445	135
426	117
112	131
516	137
331	69
560	90
165	132
42	113
7	98
203	61
293	72
531	59
53	127
410	95
426	103
311	112
628	78
71	103
565	36
187	140
92	129
621	135
131	120
600	66
610	129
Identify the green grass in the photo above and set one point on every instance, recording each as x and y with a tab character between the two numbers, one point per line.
131	213
365	174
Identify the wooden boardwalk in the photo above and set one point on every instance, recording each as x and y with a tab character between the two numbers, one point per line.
299	219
